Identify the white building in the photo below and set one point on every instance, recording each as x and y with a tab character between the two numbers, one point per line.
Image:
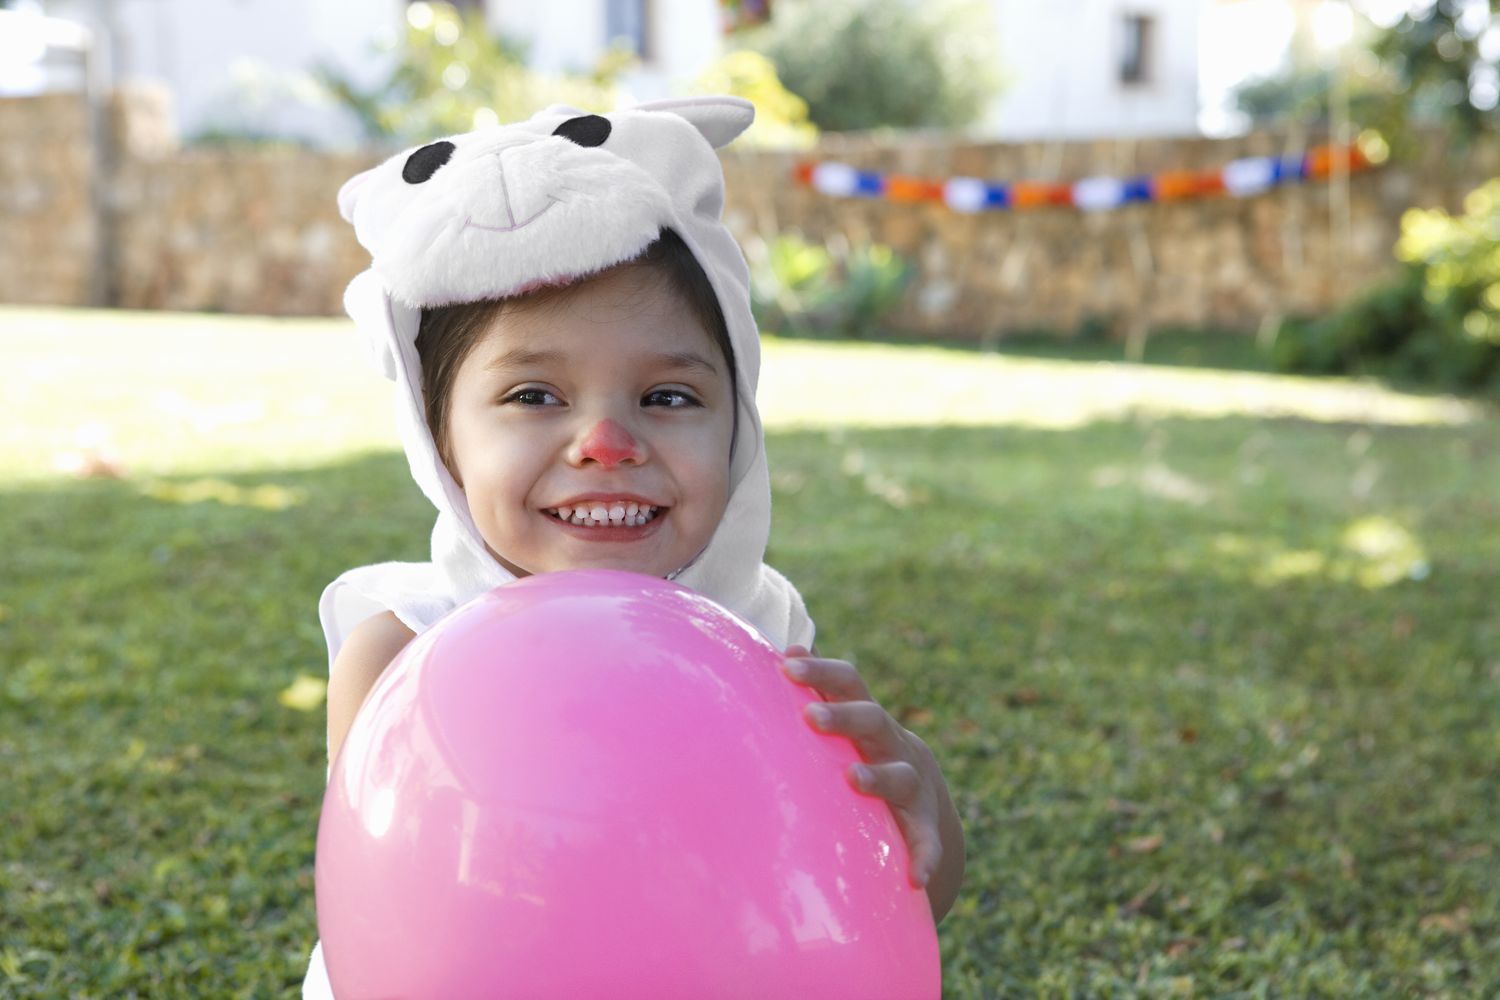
1074	68
1093	68
245	65
675	40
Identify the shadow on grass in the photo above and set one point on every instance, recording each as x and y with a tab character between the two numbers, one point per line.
1141	650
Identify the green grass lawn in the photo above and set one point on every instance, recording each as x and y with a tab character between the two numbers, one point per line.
1211	659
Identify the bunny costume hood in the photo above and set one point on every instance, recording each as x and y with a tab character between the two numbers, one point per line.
500	210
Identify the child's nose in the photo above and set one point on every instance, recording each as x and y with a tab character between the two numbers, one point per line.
609	444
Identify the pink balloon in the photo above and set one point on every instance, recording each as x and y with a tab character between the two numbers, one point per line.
600	784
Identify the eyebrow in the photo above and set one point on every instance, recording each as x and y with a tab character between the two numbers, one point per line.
522	357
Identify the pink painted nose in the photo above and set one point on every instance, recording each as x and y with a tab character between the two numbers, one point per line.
609	444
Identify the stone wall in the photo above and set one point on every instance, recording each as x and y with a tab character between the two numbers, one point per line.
258	231
244	232
1222	262
49	232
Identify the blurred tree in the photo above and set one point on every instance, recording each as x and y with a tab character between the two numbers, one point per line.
1437	322
1433	67
453	75
863	64
780	115
1306	96
1442	75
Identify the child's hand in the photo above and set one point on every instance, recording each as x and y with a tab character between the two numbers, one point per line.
895	760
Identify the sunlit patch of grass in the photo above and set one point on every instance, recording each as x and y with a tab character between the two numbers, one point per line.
819	384
150	394
167	393
266	497
1373	551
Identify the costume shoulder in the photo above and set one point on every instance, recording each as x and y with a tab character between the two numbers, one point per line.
410	591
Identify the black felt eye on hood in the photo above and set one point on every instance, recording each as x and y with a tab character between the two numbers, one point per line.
590	130
421	165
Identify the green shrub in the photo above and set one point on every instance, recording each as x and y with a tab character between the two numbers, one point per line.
780	115
863	64
1438	323
788	277
874	280
804	288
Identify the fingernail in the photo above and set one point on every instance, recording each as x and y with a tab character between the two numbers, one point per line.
863	775
819	714
796	668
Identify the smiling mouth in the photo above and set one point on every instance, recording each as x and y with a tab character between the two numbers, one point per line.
471	224
617	514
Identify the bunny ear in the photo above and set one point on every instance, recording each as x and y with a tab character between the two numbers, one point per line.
349	194
720	119
561	109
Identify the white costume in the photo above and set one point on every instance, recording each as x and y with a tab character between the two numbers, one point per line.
500	210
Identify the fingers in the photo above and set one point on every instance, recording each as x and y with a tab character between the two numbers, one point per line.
836	679
851	712
865	723
897	782
900	784
925	847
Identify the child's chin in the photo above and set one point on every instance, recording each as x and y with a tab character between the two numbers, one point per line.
648	567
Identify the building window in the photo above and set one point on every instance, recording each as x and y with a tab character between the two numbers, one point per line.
626	23
1135	51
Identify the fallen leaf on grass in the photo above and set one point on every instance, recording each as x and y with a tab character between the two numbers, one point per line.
1273	798
1471	852
1456	922
1145	845
1022	697
305	694
1124	807
89	464
910	715
1140	899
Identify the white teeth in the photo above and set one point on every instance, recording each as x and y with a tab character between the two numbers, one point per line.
597	514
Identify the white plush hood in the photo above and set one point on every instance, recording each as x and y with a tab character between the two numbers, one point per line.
497	211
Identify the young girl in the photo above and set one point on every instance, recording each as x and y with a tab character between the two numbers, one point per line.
568	324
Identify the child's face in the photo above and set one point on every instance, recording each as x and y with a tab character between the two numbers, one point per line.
614	394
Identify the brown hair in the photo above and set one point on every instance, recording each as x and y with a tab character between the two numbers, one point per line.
448	333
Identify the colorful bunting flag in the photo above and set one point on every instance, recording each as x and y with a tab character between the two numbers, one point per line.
1242	178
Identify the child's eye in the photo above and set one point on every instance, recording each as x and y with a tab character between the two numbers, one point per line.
672	398
531	397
